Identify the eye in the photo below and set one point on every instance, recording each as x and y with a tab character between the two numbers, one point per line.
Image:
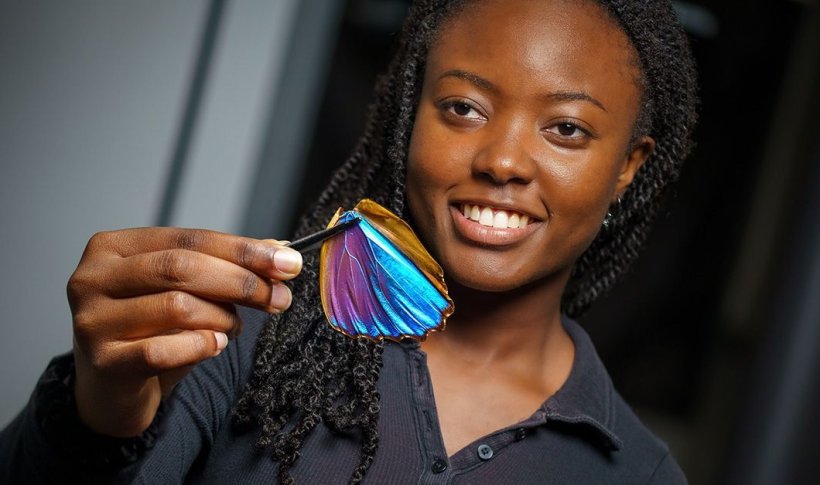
462	110
568	133
568	130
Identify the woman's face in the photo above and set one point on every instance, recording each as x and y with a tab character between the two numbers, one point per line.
524	125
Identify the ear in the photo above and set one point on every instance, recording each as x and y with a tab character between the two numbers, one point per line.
637	155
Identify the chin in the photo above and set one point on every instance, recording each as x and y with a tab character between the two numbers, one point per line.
493	282
502	276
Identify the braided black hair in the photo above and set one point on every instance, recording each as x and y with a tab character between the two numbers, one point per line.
305	373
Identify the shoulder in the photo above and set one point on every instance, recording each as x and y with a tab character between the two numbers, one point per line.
635	454
642	451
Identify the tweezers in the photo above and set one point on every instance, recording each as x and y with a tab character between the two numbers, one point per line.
315	240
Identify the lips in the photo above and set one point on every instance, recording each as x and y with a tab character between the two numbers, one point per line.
492	226
492	217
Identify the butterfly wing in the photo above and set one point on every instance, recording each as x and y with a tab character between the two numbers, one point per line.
373	286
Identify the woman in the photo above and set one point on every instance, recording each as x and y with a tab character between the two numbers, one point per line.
528	144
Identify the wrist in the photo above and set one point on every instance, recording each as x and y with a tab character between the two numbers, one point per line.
56	413
114	410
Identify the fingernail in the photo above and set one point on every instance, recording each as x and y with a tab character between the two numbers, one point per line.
280	297
221	341
287	260
278	242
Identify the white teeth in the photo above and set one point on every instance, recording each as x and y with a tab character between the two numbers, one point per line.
500	220
486	217
513	222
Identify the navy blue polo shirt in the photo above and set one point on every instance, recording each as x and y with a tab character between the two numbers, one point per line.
585	433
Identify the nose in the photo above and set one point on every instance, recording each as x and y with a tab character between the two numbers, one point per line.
504	157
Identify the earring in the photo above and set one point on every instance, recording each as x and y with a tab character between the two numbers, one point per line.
609	218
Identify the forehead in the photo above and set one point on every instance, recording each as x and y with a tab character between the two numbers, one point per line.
541	45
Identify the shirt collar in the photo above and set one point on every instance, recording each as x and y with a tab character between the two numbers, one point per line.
586	400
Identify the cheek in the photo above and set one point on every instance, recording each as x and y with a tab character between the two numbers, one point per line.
419	184
432	166
416	179
578	193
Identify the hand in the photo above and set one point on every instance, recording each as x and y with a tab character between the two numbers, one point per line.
148	304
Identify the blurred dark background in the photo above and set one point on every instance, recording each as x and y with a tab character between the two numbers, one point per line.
713	337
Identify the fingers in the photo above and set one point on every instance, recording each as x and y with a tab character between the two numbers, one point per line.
148	315
197	273
150	303
155	355
154	301
264	257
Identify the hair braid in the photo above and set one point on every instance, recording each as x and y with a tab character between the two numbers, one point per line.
305	373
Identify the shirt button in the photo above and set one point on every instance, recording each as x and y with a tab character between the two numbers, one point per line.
439	465
520	434
485	452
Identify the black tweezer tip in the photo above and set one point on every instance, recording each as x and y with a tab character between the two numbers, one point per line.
314	240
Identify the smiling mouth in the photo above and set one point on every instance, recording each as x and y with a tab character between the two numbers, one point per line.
497	218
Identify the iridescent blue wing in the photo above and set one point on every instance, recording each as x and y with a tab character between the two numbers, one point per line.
378	281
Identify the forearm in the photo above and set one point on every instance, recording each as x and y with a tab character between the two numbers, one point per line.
47	442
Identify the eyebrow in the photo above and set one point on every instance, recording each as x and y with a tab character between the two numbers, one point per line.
575	96
488	86
469	76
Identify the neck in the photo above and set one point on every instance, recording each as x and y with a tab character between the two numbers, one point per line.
522	325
